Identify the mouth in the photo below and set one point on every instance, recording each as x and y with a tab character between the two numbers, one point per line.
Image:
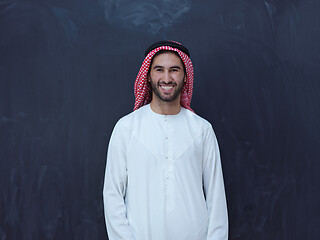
166	87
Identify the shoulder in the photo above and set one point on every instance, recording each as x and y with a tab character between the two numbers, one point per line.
197	125
205	129
197	121
125	126
129	120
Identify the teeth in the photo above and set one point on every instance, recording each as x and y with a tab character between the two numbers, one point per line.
166	87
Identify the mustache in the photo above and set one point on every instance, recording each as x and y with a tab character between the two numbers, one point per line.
167	83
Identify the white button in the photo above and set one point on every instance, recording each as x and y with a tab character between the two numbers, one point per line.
166	138
166	157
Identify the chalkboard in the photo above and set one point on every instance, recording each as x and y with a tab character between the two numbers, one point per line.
67	70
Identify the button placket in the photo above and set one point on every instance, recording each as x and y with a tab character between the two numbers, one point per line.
170	189
166	136
169	169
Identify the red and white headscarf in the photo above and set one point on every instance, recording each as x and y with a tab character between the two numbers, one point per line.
143	91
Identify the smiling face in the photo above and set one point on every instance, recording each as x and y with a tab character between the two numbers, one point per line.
167	77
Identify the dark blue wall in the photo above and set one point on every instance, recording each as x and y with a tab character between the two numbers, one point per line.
67	70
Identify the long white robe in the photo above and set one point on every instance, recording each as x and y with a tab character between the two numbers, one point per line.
164	179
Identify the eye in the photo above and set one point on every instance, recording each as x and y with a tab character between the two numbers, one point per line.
159	70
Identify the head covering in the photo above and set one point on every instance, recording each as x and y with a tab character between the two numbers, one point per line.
143	91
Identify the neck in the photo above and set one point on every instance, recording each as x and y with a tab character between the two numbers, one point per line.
166	108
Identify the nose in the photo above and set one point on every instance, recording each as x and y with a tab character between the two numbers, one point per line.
167	77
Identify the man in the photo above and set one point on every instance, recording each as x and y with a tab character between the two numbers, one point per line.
163	177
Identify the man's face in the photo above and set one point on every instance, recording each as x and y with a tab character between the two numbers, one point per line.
167	77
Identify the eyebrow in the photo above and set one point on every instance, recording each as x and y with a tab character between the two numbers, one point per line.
158	66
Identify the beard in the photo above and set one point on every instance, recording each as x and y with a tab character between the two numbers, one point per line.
166	97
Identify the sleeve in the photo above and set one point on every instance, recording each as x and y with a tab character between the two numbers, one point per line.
214	189
114	189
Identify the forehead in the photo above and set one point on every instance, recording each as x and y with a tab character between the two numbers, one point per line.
167	58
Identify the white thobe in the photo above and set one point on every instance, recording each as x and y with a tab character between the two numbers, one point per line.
164	179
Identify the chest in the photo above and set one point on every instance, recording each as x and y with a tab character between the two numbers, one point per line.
166	142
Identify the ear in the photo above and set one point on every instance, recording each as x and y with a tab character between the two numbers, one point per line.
149	78
185	78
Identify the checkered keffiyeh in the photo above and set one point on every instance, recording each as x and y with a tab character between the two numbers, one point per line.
143	91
